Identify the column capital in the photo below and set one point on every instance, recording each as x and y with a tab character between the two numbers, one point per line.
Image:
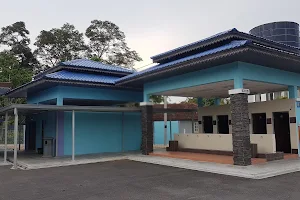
146	104
239	91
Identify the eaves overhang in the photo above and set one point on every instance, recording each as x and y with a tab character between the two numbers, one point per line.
251	53
232	34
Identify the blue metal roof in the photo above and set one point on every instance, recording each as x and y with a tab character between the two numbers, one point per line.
84	77
194	43
231	45
234	33
85	63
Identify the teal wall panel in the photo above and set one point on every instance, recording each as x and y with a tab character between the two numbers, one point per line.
61	92
159	131
101	132
49	119
211	75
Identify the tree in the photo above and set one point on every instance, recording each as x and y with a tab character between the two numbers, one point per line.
156	98
205	102
59	44
10	70
15	38
107	44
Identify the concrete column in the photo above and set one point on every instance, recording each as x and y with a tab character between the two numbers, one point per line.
15	138
5	139
165	120
59	101
240	126
293	91
73	135
147	127
123	118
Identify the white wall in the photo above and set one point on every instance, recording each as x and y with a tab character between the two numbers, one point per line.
223	142
268	107
187	125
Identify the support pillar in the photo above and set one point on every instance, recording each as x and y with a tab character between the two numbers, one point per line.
240	126
147	127
73	135
123	118
5	139
165	120
293	92
15	138
59	101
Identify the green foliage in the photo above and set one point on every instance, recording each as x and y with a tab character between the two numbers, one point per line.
59	44
225	101
205	102
12	71
107	43
191	100
15	38
156	98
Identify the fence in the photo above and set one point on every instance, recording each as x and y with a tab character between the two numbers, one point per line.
10	137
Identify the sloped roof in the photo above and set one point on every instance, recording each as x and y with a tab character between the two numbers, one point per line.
192	44
232	34
84	77
85	63
231	45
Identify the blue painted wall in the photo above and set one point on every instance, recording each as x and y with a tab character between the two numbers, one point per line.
100	94
60	92
237	71
102	132
265	74
211	75
49	119
159	131
51	93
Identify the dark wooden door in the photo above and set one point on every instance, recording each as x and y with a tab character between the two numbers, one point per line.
282	132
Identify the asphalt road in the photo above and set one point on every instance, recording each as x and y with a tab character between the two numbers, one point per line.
133	180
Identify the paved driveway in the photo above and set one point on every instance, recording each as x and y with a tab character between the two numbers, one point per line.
133	180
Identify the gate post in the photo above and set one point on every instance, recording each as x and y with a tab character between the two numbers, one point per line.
240	126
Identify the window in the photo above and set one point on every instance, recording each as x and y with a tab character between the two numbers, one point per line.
223	124
196	127
259	123
207	124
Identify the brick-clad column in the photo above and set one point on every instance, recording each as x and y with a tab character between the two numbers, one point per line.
240	126
147	127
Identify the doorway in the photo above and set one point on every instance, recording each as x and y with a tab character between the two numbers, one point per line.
259	123
208	124
223	125
282	131
32	135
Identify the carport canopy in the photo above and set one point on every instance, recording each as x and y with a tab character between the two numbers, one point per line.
220	89
24	109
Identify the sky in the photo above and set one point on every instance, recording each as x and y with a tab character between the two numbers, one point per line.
151	27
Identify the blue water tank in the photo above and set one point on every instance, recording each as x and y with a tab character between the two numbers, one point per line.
284	32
